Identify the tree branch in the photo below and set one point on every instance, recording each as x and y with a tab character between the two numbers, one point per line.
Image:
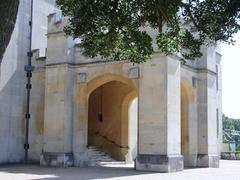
191	16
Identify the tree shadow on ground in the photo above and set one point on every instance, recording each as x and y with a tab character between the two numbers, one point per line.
39	172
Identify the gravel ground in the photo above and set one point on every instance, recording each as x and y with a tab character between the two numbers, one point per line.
229	170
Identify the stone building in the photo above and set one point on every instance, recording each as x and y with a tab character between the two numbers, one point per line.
78	104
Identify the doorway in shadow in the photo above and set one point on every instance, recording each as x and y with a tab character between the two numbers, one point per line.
112	122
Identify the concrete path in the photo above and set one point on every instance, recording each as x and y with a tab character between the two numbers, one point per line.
229	170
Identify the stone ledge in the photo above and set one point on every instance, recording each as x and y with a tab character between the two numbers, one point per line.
159	163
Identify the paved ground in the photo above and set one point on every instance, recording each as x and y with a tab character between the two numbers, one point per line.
229	170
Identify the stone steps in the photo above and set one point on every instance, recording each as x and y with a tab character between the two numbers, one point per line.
97	157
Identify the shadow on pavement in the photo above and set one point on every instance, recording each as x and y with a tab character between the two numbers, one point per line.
39	172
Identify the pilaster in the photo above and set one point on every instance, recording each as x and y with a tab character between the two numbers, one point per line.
159	116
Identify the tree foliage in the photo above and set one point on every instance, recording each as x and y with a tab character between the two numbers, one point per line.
8	14
117	29
231	124
231	130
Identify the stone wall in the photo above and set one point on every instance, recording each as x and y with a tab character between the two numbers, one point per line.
12	90
13	83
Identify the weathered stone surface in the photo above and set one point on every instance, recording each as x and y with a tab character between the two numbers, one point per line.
205	160
82	77
56	159
159	163
134	72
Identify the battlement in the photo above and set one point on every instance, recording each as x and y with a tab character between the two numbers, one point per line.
56	22
38	61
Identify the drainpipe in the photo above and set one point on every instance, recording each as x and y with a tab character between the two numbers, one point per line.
29	69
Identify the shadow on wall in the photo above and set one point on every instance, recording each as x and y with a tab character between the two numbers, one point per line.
12	109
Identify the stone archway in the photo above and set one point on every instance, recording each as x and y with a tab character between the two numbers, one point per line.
105	78
108	106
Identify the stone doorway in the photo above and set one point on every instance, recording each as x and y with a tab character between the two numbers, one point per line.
109	119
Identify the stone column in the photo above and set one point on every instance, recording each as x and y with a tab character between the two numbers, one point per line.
57	150
207	121
58	113
159	116
80	120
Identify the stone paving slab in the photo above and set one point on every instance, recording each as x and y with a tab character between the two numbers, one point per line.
229	170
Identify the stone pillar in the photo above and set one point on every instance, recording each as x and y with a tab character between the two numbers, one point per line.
57	150
208	142
58	113
159	116
207	121
80	121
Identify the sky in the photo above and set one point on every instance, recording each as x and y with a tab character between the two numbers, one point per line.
231	78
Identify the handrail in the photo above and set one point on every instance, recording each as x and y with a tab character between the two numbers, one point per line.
111	141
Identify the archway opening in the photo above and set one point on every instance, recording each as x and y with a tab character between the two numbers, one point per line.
185	125
109	113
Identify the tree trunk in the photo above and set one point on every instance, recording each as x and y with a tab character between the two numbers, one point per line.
8	15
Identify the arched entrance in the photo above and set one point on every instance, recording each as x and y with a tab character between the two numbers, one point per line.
108	117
